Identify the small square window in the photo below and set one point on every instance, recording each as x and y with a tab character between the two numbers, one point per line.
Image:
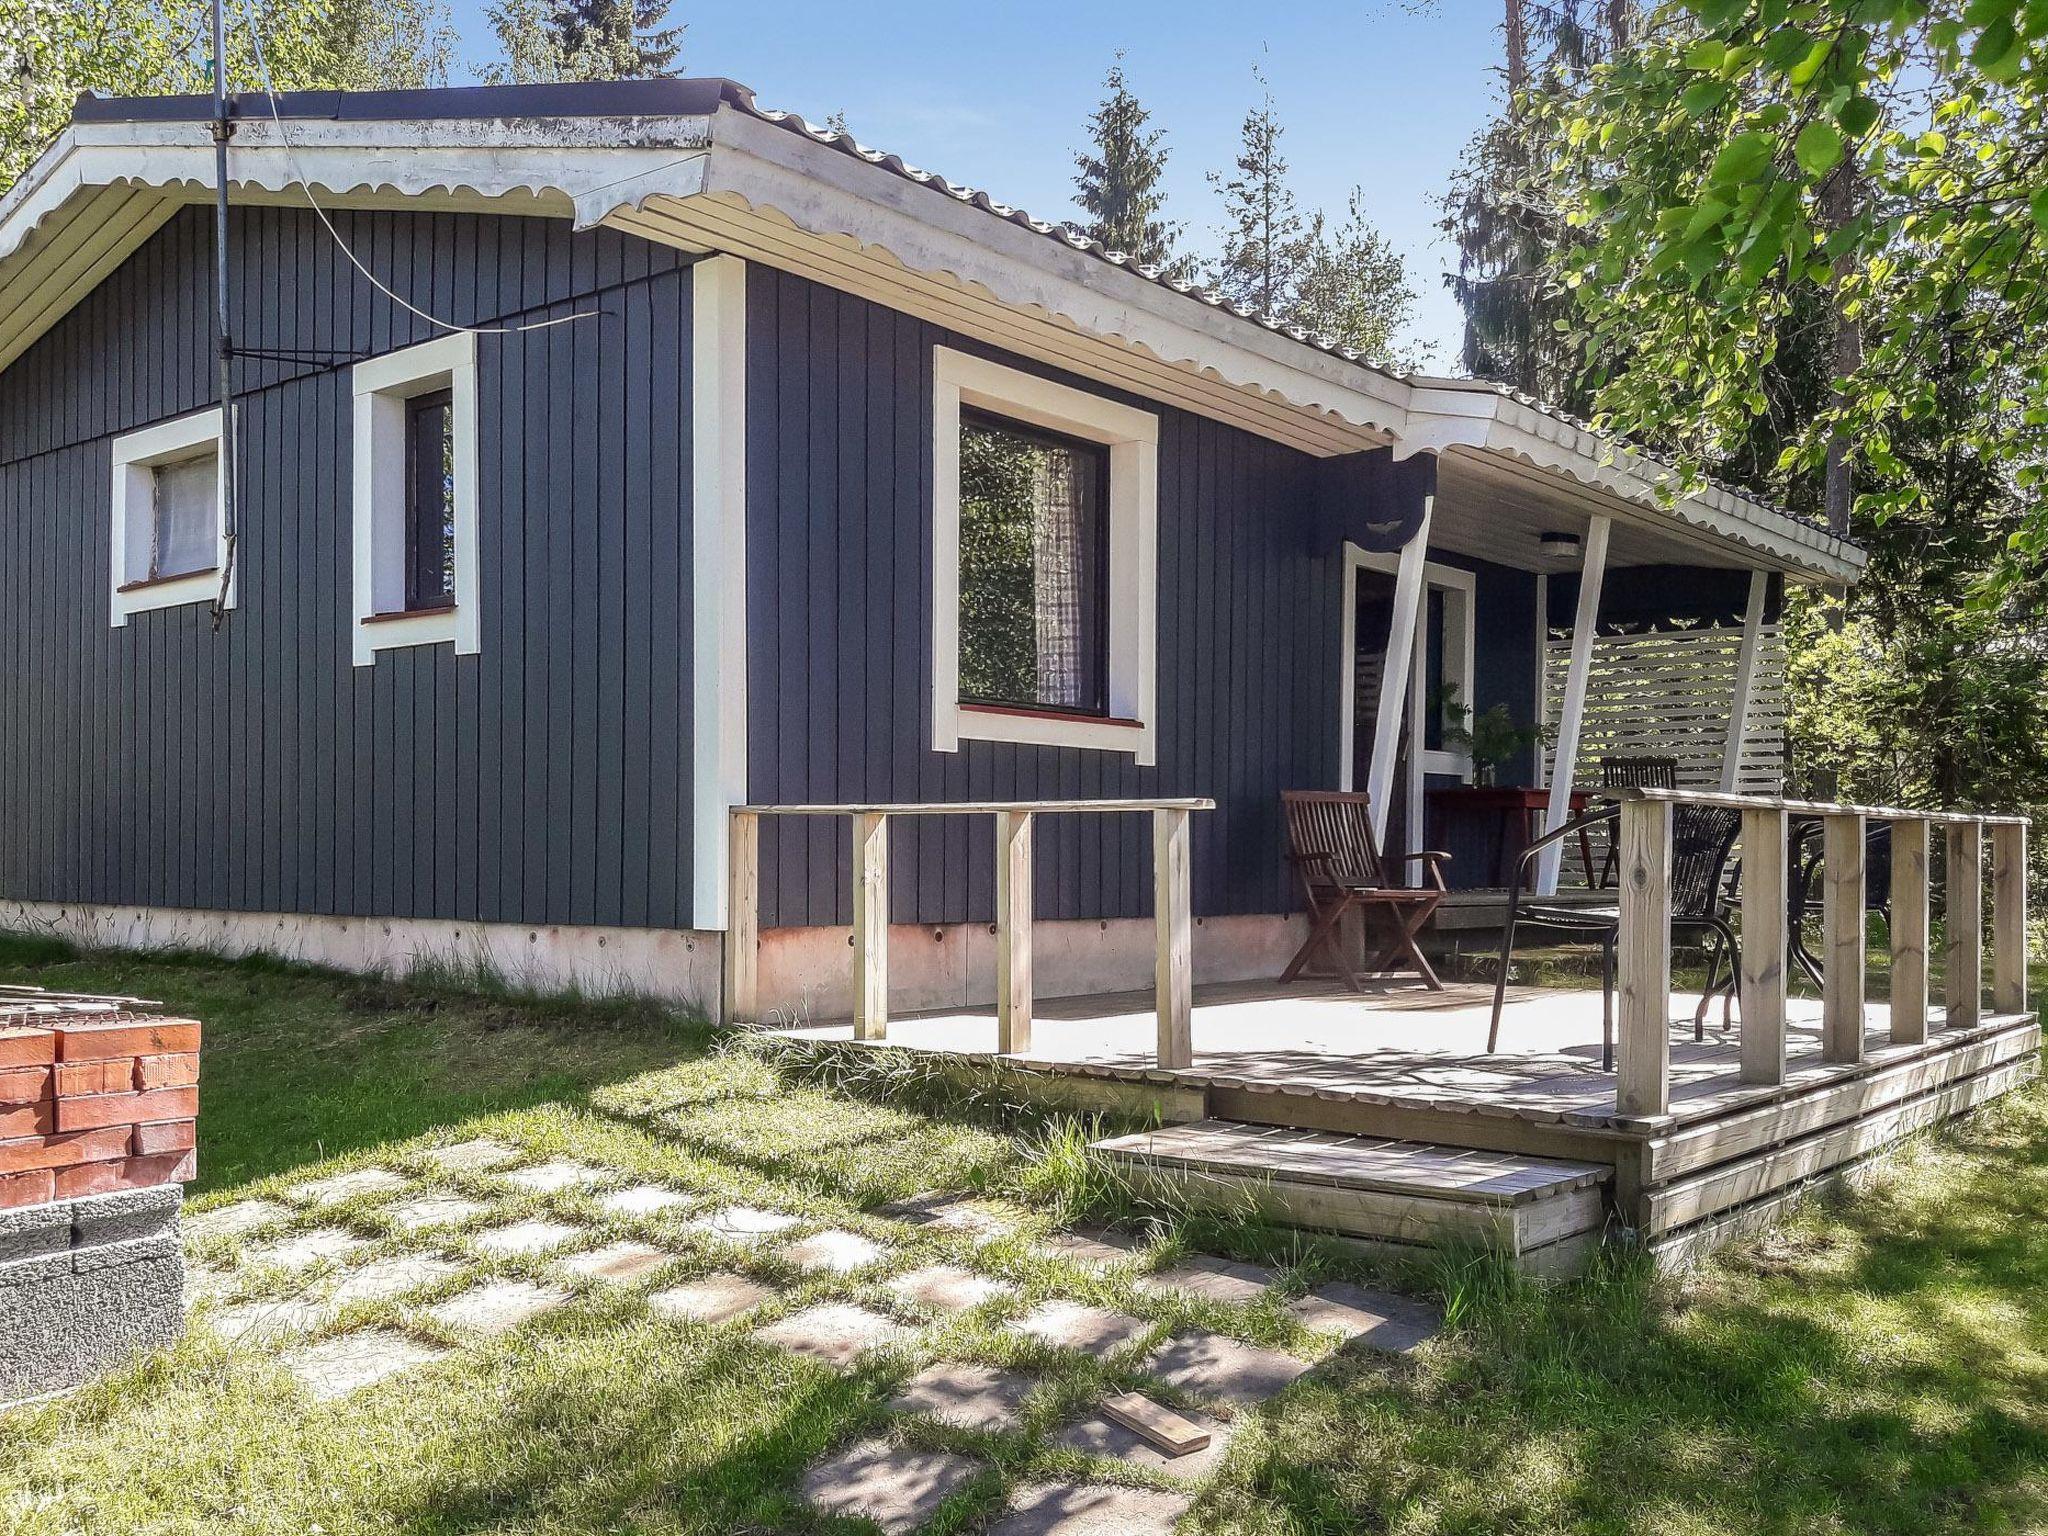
169	523
415	499
1034	567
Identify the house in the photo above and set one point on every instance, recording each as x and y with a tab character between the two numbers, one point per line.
606	456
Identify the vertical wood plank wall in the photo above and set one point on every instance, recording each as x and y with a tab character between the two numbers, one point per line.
839	612
545	780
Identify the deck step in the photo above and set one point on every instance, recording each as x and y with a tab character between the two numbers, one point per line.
1389	1194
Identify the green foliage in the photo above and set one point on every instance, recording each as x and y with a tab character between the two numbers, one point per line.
1119	182
998	614
542	41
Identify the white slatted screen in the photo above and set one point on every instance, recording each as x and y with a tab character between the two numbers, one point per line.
1668	695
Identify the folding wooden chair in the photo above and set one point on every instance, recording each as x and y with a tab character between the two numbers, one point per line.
1338	862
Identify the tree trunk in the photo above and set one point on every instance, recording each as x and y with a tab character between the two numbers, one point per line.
1517	27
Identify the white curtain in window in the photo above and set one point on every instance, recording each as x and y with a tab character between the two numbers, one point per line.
186	505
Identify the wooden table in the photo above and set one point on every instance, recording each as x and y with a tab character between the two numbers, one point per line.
1514	808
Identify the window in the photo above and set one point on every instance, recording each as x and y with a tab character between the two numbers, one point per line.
1034	565
169	527
1044	562
415	499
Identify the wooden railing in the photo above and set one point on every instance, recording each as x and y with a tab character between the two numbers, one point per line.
1174	972
1643	1061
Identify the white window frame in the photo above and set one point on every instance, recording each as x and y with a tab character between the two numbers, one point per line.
136	457
1459	586
382	386
1132	437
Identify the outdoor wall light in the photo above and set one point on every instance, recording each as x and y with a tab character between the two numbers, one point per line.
1558	546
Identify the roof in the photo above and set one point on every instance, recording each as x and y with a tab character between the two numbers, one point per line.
700	162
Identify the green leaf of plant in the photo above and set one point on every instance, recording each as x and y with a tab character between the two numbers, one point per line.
1818	149
1741	158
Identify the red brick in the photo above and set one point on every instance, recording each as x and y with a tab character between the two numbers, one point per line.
24	1085
38	1186
165	1136
127	1108
79	1077
27	1119
125	1173
61	1151
27	1047
125	1037
179	1071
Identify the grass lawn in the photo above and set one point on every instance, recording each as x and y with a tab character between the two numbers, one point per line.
1879	1365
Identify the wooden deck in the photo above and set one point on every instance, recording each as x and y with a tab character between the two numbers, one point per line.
1406	1065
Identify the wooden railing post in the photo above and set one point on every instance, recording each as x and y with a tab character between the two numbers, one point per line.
1909	930
1014	908
1764	900
739	994
2009	917
1174	966
1643	959
870	925
1843	957
1964	965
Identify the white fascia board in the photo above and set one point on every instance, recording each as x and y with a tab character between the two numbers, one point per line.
833	194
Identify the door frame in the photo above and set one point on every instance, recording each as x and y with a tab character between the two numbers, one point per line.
1447	578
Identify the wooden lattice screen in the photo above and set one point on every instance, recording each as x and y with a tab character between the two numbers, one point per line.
1667	695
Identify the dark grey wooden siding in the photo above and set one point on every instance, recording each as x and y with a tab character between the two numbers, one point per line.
839	618
545	780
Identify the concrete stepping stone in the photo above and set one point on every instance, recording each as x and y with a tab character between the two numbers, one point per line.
616	1263
898	1490
953	1212
1211	1365
303	1250
1377	1319
1074	1325
204	1283
521	1237
834	1250
259	1322
1210	1279
336	1367
556	1175
971	1396
948	1288
346	1186
1061	1509
496	1306
743	1223
1094	1247
716	1298
386	1279
480	1155
237	1220
643	1200
429	1211
1099	1435
837	1333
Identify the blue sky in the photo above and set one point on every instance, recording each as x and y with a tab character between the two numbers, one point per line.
1381	94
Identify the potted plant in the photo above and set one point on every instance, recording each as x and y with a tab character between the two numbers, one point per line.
1491	739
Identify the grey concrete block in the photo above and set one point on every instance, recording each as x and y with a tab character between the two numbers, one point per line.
35	1269
136	1250
67	1318
126	1213
33	1230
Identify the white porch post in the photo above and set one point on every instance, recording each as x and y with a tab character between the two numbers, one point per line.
1564	759
1395	672
1745	683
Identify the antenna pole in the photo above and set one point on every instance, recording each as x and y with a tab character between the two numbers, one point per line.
223	130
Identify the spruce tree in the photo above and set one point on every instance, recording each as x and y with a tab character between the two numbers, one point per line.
1119	181
548	40
1266	241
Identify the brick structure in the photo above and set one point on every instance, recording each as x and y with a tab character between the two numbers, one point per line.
98	1110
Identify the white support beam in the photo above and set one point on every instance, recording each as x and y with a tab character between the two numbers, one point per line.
1564	760
1745	683
718	570
1396	669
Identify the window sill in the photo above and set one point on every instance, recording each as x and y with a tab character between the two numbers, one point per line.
149	583
1062	716
399	615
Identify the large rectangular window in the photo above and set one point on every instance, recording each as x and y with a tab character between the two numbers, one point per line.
430	501
1034	566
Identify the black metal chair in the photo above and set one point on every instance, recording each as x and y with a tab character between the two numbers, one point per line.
1808	855
1635	773
1702	837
